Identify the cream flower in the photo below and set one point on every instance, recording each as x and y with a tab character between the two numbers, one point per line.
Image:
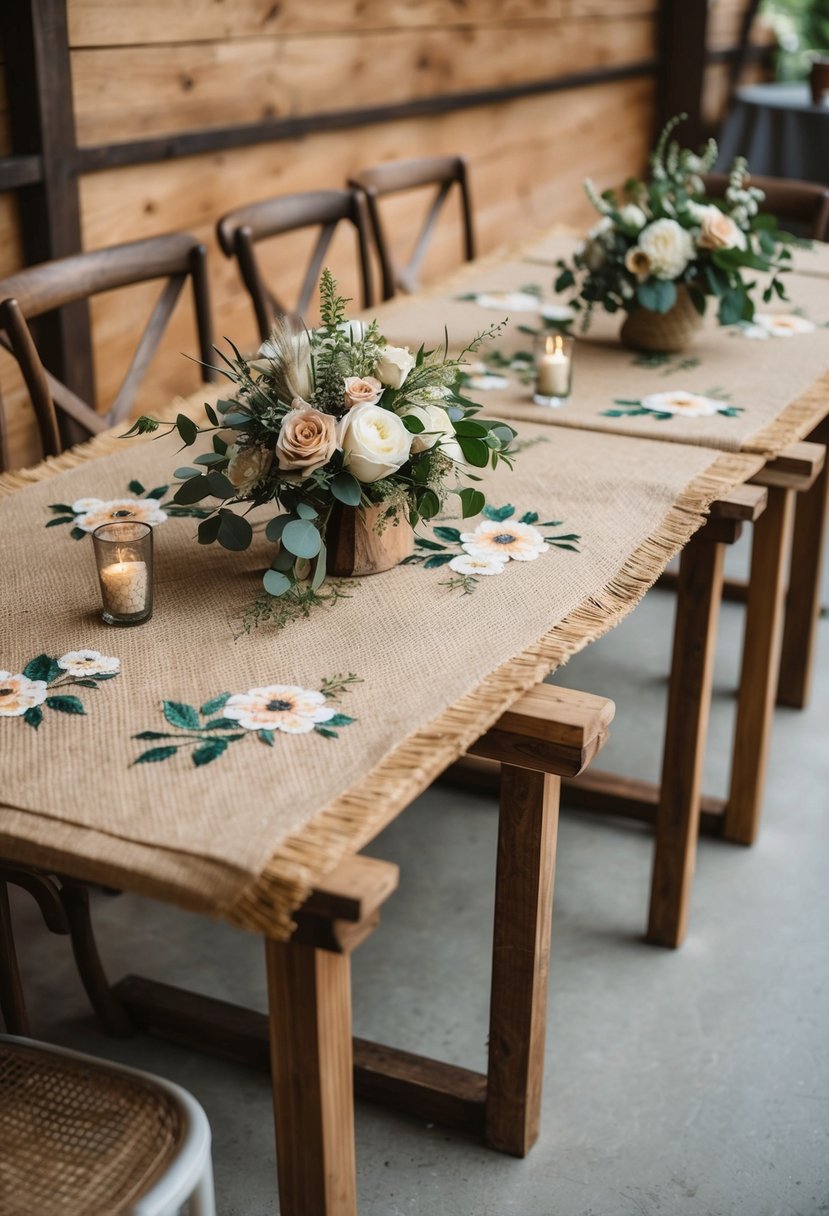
633	216
374	441
784	324
144	510
88	663
514	301
248	465
718	230
307	439
679	402
467	564
504	539
437	428
394	365
18	693
637	262
669	247
283	707
362	390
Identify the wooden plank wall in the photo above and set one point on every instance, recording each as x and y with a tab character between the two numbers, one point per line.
724	23
155	68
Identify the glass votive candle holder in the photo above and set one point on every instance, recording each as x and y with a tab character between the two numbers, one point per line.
553	369
124	556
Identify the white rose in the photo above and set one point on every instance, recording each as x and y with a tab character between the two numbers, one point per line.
374	441
248	465
362	390
669	247
633	216
719	231
394	365
437	429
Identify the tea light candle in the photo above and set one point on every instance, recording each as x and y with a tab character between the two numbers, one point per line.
554	369
554	374
124	585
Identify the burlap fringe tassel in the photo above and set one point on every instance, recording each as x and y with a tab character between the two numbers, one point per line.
267	904
795	422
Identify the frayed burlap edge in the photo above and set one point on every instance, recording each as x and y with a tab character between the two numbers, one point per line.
354	818
793	423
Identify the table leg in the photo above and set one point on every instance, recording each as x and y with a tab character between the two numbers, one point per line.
527	830
309	999
797	656
689	700
758	677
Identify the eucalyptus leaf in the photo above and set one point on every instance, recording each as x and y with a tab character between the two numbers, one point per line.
220	486
192	490
302	538
208	530
235	533
346	489
472	501
187	429
305	511
275	583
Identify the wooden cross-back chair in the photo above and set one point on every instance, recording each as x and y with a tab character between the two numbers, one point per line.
445	172
239	231
803	203
40	289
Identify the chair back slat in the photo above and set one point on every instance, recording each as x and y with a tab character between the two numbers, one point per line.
397	177
239	231
804	203
147	346
314	269
41	289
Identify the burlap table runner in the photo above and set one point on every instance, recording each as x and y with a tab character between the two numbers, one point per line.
778	387
246	836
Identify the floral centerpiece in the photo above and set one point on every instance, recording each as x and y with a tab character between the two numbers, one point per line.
660	251
354	440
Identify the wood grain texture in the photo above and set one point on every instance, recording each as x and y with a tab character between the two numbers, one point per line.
157	90
122	22
153	66
758	676
356	547
797	657
309	999
527	831
677	823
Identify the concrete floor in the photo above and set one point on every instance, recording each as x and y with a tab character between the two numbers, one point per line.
693	1083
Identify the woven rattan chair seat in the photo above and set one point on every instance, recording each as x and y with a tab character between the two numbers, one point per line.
77	1139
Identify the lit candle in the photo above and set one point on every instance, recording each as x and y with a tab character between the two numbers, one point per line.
124	585
553	370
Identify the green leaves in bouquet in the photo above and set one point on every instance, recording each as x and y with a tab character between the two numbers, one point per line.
346	489
659	295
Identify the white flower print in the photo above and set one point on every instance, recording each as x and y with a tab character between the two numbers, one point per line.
783	325
692	405
98	511
504	539
465	563
486	382
515	301
284	707
88	663
18	693
557	312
